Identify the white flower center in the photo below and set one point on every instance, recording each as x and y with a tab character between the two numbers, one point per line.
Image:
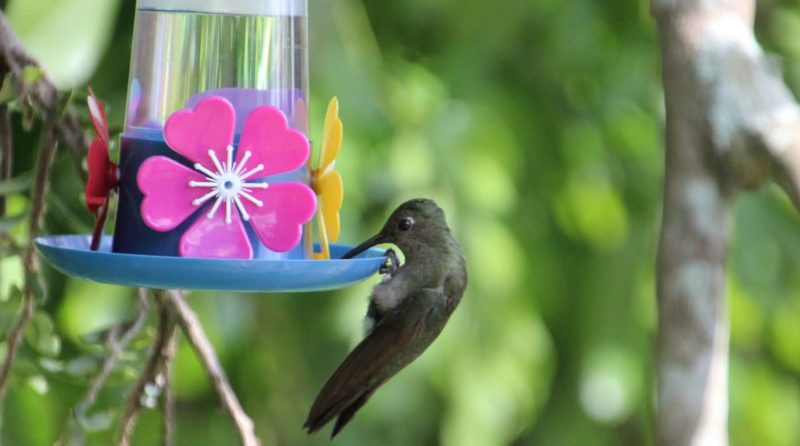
228	185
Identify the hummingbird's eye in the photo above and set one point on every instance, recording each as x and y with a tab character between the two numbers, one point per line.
405	224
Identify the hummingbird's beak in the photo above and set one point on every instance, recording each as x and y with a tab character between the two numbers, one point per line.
378	239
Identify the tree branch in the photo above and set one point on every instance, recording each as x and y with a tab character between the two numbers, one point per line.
42	97
152	374
38	193
193	330
116	345
118	339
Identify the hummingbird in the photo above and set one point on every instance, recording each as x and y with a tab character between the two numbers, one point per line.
406	311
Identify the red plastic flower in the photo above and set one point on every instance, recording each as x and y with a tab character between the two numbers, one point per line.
102	172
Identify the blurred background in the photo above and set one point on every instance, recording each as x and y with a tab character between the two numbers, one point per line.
538	127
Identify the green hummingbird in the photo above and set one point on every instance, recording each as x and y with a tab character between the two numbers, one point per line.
406	312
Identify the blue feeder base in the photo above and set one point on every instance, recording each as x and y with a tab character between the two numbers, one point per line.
71	255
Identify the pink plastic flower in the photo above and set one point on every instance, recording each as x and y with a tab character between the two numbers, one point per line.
224	182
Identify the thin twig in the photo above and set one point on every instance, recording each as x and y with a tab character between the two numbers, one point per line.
156	364
116	345
197	338
118	339
168	401
6	149
45	162
43	97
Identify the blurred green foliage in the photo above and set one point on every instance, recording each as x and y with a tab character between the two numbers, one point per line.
537	126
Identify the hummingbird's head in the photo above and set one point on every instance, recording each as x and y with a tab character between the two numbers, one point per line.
416	227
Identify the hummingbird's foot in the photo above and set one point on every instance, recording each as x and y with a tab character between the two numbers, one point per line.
391	265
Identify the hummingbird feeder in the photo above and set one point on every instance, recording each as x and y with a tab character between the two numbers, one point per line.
214	184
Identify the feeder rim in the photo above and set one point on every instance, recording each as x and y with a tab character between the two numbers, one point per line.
294	8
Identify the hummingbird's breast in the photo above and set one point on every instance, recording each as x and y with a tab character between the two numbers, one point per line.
388	295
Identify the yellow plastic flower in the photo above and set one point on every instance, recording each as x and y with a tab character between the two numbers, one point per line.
327	182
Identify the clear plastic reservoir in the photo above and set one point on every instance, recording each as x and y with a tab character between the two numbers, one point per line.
253	52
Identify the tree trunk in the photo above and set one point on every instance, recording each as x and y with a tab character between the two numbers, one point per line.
731	124
693	332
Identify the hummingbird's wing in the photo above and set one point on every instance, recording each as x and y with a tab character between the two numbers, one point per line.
394	343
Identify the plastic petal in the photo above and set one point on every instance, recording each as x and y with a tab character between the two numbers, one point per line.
331	135
331	198
98	115
167	196
270	141
101	175
324	243
213	238
286	207
210	126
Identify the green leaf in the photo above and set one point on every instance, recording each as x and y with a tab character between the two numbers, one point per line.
9	310
82	366
94	337
28	117
40	334
36	283
51	365
8	91
39	384
31	75
25	367
64	99
96	422
8	250
9	223
125	374
11	279
13	296
16	185
98	336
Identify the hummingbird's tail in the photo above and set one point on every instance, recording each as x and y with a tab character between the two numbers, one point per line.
347	414
318	417
396	341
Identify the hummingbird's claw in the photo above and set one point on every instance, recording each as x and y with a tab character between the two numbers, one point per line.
391	265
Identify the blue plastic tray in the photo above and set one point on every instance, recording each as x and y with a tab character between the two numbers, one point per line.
70	254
